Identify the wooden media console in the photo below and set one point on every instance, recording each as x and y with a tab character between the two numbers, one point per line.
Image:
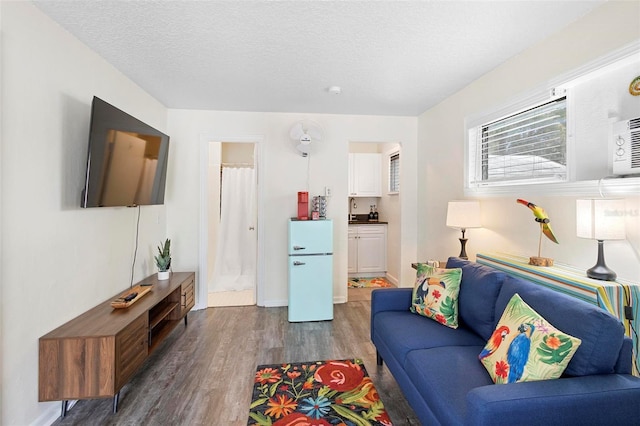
95	354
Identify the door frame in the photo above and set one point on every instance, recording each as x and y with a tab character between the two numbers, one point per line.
203	237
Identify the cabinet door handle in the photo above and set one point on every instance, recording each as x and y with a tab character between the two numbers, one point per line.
298	263
184	303
298	248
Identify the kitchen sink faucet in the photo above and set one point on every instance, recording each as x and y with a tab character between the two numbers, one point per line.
352	204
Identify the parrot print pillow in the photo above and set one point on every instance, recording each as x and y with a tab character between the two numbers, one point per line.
525	347
435	294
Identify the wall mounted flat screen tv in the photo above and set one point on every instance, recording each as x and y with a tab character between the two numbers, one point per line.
127	160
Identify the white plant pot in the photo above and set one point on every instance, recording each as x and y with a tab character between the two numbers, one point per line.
163	275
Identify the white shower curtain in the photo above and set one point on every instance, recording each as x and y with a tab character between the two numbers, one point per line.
235	264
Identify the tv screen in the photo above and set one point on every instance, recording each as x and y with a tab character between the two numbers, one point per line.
127	160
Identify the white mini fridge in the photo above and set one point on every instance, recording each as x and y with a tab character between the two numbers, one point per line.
310	270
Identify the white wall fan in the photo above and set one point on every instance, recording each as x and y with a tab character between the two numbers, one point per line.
304	133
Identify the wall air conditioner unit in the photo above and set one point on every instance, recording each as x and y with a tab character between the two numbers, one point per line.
626	147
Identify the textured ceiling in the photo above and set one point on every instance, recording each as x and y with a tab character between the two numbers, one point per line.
389	57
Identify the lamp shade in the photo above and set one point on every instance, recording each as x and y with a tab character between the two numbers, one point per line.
463	214
600	219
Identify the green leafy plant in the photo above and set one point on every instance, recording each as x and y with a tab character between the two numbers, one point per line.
554	349
448	309
163	259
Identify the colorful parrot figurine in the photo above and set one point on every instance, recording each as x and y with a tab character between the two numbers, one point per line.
541	217
496	338
518	352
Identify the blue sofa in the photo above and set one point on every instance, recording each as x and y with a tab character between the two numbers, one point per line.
438	370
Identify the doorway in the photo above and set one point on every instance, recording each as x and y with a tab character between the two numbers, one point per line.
232	223
379	255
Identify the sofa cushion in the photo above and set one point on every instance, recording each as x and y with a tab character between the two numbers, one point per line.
479	290
443	377
601	333
525	347
435	294
403	332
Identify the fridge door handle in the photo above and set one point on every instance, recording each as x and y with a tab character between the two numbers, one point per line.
298	248
298	263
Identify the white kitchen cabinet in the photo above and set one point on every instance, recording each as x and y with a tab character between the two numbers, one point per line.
367	249
352	249
365	175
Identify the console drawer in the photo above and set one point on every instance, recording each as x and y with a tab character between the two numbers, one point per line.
131	349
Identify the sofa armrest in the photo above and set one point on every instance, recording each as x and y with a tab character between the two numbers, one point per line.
587	400
625	359
389	299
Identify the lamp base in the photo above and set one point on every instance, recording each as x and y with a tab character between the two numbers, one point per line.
463	252
600	270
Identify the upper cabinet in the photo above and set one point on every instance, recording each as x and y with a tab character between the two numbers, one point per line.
365	175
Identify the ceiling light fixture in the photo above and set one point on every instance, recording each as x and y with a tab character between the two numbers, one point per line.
336	90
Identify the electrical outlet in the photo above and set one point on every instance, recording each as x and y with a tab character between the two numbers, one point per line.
327	191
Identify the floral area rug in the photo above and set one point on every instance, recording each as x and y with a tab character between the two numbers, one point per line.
376	282
318	393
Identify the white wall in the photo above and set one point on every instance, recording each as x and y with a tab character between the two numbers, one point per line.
507	226
58	260
285	173
1	244
213	204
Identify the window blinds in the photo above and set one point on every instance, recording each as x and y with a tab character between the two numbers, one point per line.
394	172
530	145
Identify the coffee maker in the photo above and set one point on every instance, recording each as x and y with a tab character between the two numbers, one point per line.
303	206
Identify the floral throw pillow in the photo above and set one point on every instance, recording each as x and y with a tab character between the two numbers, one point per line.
525	347
435	294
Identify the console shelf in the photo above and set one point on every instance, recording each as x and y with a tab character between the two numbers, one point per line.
165	309
160	332
95	354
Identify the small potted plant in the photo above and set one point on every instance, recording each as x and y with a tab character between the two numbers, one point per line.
163	260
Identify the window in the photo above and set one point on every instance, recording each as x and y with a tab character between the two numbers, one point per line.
526	147
394	172
583	159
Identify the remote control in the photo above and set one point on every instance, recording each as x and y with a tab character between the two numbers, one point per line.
130	297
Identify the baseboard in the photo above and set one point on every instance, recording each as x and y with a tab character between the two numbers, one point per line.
284	303
199	306
276	303
51	414
393	280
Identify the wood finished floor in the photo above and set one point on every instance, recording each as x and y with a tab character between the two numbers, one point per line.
203	374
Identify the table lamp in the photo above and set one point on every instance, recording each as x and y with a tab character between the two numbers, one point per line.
600	219
463	215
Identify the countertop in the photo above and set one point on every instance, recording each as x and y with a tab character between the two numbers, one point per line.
362	219
366	222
